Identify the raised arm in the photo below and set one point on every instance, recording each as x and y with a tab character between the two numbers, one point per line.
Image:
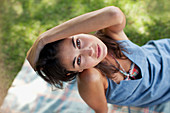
109	17
91	89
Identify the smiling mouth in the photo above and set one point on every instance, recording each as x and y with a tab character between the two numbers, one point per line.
98	51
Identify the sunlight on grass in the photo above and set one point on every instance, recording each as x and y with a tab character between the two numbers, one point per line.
18	8
51	3
138	15
23	21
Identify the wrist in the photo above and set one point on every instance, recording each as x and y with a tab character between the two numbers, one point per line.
40	43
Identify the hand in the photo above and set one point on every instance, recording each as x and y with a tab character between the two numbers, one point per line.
34	51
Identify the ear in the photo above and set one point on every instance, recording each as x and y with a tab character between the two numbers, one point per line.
81	70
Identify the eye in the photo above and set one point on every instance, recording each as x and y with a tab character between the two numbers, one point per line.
79	60
78	43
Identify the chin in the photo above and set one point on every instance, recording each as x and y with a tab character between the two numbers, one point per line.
105	52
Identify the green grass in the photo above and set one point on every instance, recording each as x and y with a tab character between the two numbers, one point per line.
22	21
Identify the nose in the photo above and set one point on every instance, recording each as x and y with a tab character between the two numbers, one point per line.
87	51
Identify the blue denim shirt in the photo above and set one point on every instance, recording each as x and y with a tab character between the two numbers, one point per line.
153	88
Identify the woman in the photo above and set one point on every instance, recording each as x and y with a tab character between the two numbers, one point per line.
107	65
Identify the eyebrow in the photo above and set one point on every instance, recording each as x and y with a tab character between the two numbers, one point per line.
73	42
74	47
74	62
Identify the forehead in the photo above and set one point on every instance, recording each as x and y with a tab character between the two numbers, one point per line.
67	53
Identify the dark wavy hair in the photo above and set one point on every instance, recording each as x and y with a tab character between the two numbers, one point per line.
50	68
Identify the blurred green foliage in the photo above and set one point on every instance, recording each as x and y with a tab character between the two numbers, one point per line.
22	21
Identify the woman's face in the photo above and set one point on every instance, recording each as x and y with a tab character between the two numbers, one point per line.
81	52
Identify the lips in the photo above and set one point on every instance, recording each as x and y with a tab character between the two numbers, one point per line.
98	51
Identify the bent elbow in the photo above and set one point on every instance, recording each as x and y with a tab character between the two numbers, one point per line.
115	14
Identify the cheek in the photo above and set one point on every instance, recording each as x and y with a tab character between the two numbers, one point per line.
89	63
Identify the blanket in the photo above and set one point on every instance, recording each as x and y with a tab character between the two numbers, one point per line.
31	94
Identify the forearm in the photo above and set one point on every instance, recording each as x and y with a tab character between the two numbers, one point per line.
85	23
105	111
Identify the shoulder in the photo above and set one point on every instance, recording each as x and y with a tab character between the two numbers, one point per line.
92	90
91	76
